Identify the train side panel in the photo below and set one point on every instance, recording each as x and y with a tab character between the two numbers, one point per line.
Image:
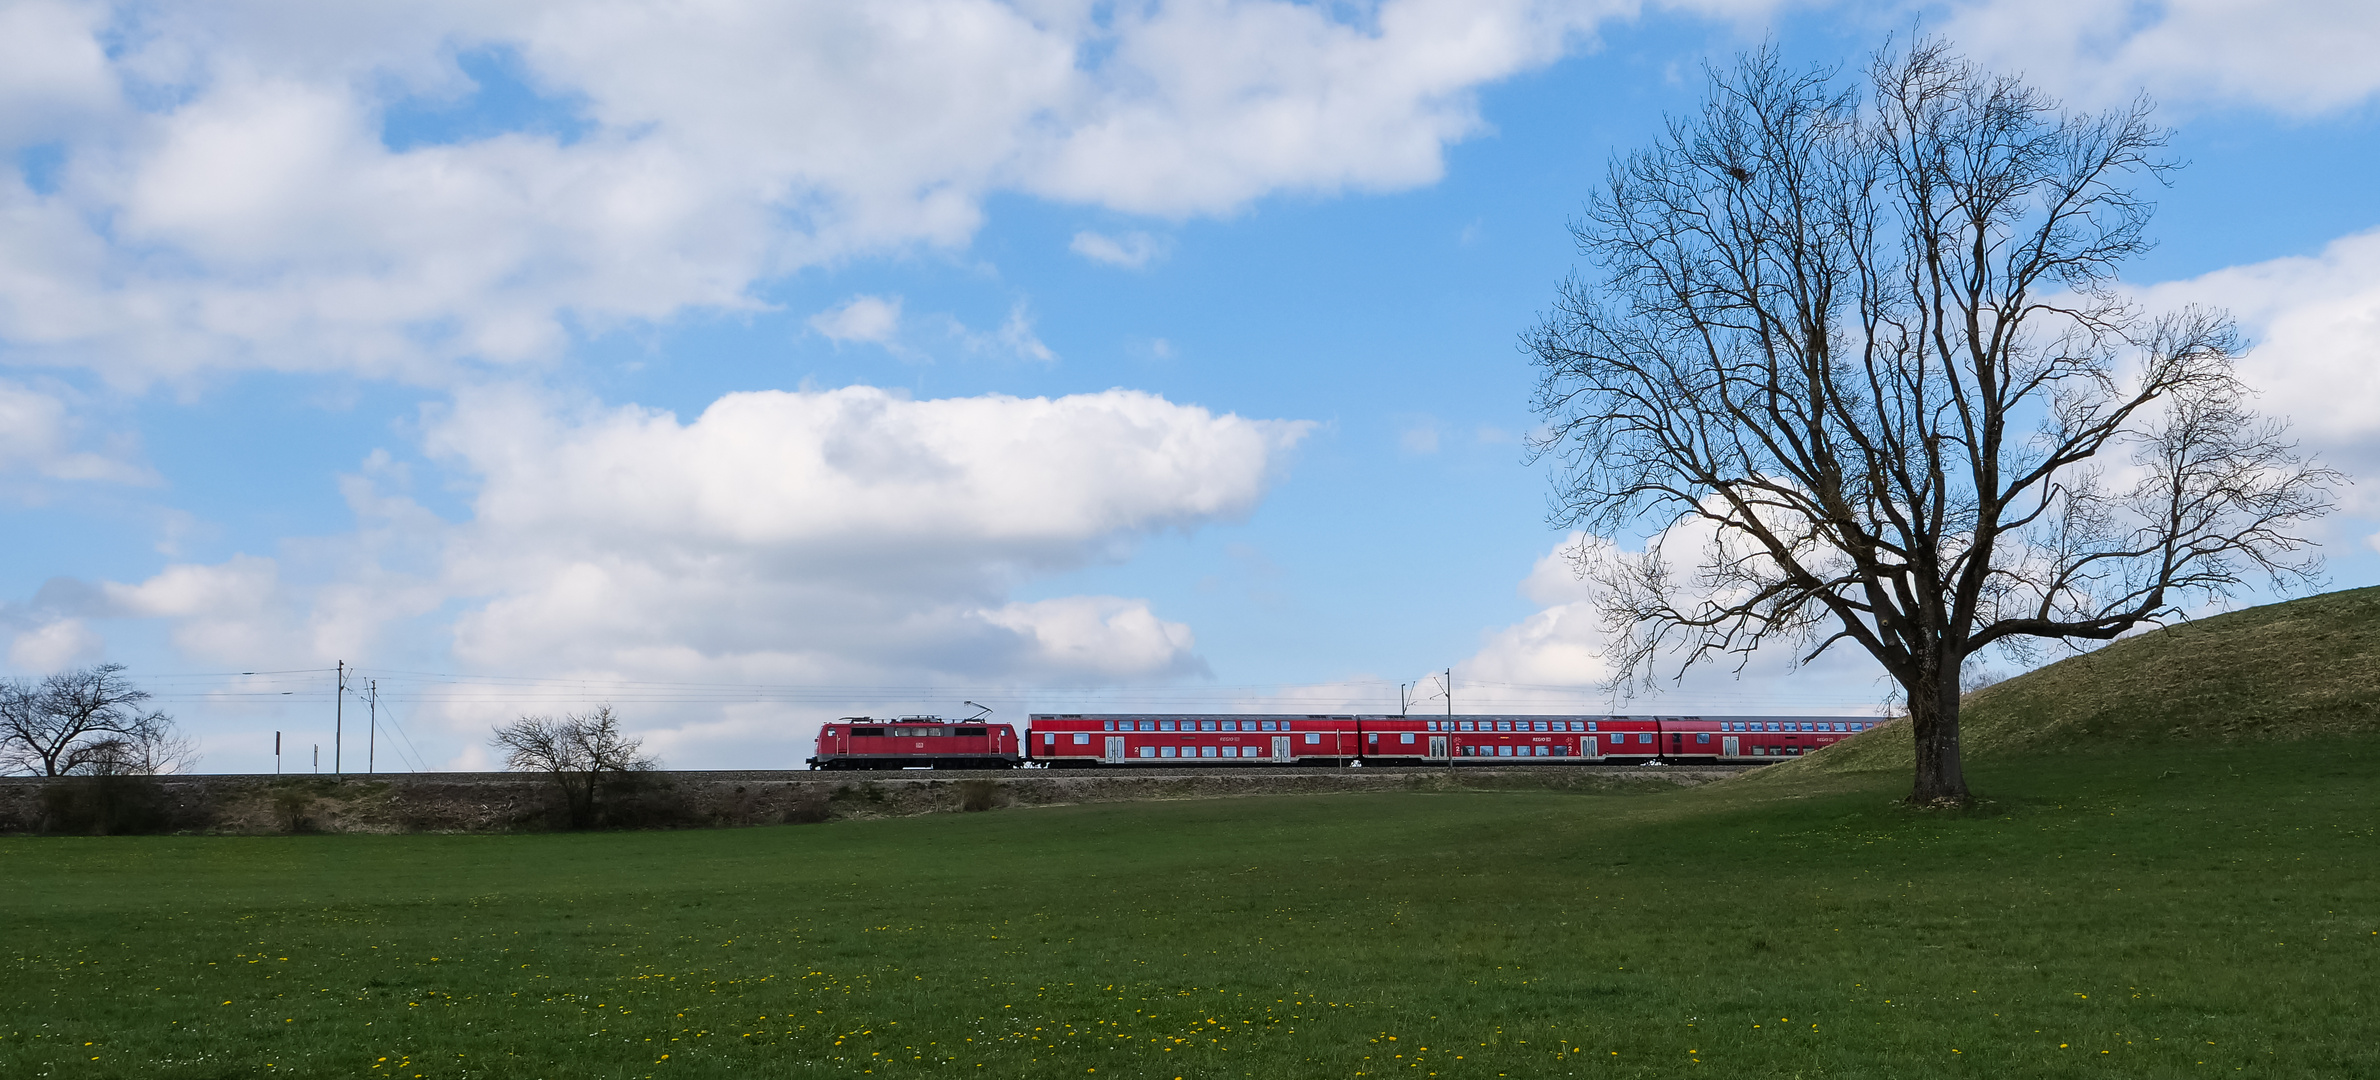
1765	738
859	742
1161	740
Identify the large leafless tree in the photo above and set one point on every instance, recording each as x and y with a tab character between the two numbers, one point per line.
1860	340
88	721
584	754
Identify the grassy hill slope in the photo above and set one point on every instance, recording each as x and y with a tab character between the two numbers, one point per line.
2301	669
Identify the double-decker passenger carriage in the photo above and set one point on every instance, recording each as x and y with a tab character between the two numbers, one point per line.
1759	738
1510	740
858	742
1074	740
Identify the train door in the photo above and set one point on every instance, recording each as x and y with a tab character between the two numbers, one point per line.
1438	747
1281	748
1589	748
1730	746
1115	750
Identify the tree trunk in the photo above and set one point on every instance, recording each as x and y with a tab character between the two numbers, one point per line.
1934	716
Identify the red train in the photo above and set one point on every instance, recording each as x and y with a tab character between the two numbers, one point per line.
1241	740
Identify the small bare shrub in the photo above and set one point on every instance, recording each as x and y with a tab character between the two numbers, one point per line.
976	796
809	806
292	810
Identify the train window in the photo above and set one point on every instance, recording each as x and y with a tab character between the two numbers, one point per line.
1165	725
1107	725
869	731
1703	737
1266	724
1407	738
1645	737
1590	725
1466	724
1166	752
971	732
1148	751
1313	739
1082	739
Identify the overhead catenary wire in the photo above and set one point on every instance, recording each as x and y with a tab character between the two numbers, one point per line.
301	686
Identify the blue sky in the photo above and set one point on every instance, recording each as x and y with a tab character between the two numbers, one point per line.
751	368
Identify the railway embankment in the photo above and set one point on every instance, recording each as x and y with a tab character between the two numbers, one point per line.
524	802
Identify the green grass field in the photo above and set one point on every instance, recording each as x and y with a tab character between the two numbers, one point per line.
2153	913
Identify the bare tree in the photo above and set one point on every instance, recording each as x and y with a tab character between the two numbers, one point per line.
1861	338
86	721
584	753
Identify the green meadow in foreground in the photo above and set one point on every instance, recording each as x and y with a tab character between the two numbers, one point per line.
2149	913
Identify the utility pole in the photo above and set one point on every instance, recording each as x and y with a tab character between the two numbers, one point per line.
276	753
372	735
339	721
1449	685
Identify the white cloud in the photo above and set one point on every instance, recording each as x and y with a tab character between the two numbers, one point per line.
230	612
840	537
1131	251
1552	661
54	646
874	319
2306	56
226	197
38	436
1017	336
1419	437
2314	322
1099	636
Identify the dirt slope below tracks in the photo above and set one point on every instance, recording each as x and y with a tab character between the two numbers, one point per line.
505	802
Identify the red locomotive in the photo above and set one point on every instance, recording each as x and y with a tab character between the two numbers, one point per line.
1239	740
857	742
